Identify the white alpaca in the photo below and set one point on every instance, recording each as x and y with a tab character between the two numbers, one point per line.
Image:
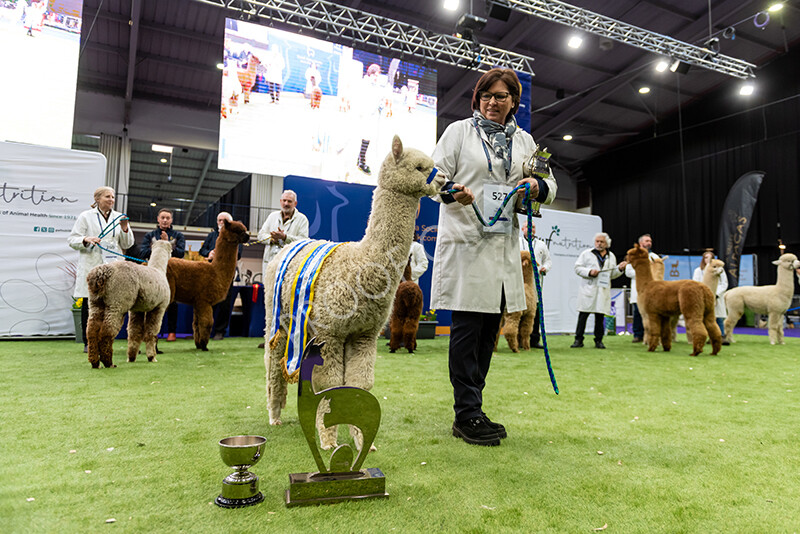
119	287
771	300
354	289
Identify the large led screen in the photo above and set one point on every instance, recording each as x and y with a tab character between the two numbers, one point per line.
296	105
39	49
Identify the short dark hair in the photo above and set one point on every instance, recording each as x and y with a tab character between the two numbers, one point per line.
507	76
162	210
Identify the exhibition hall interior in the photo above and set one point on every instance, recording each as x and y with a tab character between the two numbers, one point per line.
374	199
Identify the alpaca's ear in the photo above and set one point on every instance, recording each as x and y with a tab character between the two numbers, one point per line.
776	262
397	148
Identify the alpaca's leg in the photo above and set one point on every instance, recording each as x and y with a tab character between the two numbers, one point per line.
135	331
666	333
96	317
775	328
112	323
359	370
202	323
525	329
331	374
396	328
152	324
710	322
654	327
276	383
511	330
734	313
699	332
646	324
410	326
673	326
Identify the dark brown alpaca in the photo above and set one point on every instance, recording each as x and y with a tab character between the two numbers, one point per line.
663	300
405	314
202	284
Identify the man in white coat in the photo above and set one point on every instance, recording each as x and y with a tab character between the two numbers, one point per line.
282	227
596	267
645	241
542	256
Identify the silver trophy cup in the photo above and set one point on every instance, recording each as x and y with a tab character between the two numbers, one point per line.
240	488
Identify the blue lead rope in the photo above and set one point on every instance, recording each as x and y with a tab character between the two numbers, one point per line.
114	223
529	238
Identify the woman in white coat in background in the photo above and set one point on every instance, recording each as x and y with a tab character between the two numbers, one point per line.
720	311
597	267
477	270
100	226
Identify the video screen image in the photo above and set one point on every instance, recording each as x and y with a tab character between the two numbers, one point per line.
39	49
292	104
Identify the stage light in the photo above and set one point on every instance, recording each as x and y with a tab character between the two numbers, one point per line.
777	6
644	90
575	42
662	65
781	245
220	66
746	89
162	148
163	160
450	5
679	66
567	137
153	204
469	24
498	10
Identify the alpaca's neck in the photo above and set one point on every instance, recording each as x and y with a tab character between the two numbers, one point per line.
644	275
711	279
224	255
785	279
159	257
390	229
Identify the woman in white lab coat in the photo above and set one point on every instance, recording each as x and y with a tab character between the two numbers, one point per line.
100	226
720	311
596	267
477	270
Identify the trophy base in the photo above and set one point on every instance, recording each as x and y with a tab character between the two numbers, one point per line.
329	488
238	503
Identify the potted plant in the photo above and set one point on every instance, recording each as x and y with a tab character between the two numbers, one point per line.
427	325
76	319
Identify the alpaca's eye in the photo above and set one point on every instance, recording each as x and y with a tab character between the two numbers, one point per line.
419	168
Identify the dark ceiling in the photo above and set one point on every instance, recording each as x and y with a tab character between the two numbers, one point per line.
178	43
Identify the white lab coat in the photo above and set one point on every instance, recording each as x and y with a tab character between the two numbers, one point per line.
631	273
296	228
91	224
722	287
594	295
419	260
472	268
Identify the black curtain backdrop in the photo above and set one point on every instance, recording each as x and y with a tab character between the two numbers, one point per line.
637	188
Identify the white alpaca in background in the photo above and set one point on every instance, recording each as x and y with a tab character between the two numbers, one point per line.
769	300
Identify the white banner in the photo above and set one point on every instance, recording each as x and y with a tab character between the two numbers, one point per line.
42	191
566	234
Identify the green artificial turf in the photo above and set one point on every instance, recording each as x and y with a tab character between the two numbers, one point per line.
636	441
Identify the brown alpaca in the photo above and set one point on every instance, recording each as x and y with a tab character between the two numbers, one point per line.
201	284
664	300
657	268
405	313
517	326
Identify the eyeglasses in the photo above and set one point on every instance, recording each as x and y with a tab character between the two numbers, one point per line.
485	96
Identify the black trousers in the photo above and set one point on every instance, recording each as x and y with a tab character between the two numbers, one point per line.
472	336
172	318
599	325
85	318
536	335
222	313
638	325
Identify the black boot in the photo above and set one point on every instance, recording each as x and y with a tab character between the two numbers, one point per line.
577	344
475	431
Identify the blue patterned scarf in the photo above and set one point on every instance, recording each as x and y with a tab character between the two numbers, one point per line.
499	135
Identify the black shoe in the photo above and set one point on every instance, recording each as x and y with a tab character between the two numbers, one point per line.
637	340
497	427
537	345
577	344
261	345
726	343
475	431
599	345
85	349
218	337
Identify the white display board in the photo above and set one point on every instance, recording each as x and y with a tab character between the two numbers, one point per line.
42	191
566	234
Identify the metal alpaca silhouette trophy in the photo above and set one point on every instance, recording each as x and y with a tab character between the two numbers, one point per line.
343	479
